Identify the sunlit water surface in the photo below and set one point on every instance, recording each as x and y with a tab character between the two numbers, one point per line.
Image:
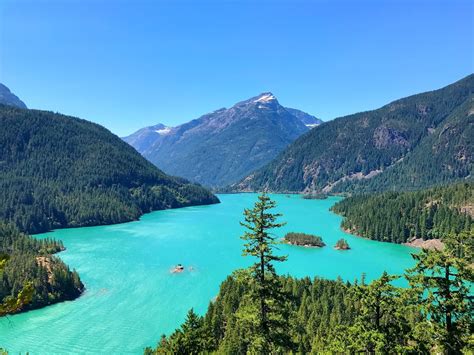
132	298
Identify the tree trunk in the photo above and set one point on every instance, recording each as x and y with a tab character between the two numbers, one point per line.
448	314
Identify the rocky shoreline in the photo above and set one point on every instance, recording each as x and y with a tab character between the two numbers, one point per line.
425	244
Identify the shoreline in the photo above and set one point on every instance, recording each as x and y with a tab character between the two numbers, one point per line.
418	243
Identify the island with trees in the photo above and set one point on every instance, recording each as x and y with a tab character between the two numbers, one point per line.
342	244
315	196
304	240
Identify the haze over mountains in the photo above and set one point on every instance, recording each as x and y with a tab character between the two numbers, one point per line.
223	146
415	142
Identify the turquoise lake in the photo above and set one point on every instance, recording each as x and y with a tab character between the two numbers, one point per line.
132	297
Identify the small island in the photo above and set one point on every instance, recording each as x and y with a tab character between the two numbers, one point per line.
342	245
303	239
315	196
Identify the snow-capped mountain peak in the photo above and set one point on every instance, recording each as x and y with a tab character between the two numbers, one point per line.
266	97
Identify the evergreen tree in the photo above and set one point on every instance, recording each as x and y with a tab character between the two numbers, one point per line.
381	325
442	281
260	242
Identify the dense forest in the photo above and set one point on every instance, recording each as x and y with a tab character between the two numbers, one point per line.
58	171
415	142
398	216
30	276
257	311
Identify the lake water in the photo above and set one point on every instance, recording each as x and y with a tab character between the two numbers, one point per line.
132	298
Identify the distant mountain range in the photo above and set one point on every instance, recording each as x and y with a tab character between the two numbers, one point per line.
419	141
221	147
8	98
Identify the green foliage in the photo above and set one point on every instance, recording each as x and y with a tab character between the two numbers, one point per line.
30	277
383	322
304	239
262	316
58	171
313	307
342	244
442	281
415	142
398	216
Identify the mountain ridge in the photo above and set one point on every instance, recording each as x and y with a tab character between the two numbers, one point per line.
353	153
222	146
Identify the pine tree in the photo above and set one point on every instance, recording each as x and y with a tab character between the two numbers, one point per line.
441	279
260	243
381	323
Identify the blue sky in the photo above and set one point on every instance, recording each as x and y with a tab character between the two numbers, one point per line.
129	64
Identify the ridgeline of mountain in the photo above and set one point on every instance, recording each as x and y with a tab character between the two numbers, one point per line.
221	147
310	121
415	142
8	98
58	171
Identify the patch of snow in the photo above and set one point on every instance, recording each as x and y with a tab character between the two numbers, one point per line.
163	131
265	98
311	125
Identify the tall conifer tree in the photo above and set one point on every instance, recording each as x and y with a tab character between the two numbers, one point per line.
260	243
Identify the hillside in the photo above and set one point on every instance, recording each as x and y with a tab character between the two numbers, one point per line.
58	171
30	276
9	98
399	216
411	143
221	147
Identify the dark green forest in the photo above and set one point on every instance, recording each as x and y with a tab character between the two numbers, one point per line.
30	276
415	142
58	171
257	311
398	216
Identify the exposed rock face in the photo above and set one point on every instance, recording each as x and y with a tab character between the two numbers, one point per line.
385	137
223	146
8	98
426	244
415	142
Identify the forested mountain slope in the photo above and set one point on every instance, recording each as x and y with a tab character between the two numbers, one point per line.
221	147
58	171
399	216
415	142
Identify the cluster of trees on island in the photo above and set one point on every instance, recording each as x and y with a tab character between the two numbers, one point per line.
304	239
258	311
398	216
310	240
